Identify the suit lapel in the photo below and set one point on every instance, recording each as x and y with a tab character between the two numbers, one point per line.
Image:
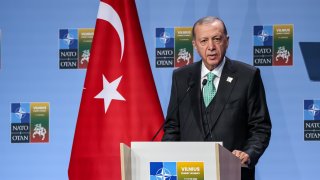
227	81
195	95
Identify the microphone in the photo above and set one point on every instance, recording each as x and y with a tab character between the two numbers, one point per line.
204	82
190	86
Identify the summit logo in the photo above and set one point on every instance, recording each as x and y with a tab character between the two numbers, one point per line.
75	45
311	120
174	47
30	122
273	45
176	170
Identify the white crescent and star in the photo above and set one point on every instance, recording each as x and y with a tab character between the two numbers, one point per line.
109	91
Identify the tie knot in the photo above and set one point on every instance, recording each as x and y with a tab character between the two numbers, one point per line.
210	76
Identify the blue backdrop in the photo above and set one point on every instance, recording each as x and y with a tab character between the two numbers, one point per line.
30	73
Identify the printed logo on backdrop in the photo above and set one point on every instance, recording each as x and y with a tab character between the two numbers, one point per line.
273	45
174	47
30	122
311	120
75	45
176	170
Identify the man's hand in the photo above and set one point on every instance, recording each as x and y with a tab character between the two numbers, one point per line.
244	157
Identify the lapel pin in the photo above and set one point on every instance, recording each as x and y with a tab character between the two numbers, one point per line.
229	79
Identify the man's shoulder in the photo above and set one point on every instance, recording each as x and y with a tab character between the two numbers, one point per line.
241	67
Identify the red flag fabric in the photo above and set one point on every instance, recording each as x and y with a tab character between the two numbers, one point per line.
119	100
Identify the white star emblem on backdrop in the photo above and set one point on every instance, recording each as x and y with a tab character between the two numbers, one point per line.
314	110
165	37
263	36
109	92
68	39
20	113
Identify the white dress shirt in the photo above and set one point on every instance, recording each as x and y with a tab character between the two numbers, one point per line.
216	71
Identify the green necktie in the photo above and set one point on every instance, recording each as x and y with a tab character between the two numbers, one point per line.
209	91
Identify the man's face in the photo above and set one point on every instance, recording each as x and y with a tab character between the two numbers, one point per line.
211	43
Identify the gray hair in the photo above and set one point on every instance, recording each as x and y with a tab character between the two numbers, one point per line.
209	19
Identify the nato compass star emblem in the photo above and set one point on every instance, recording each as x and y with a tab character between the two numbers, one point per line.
20	113
68	39
163	174
314	110
165	37
263	36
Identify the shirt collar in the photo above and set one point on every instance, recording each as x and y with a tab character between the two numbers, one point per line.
216	71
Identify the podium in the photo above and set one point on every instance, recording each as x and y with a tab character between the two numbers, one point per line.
178	161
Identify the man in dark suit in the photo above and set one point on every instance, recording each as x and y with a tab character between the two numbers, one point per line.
218	99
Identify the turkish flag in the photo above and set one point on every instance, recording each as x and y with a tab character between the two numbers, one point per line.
119	100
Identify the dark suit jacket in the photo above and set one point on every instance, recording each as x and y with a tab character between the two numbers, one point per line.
240	117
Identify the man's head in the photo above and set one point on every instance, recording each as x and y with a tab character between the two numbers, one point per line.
211	40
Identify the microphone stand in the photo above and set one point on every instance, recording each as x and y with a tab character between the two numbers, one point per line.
191	84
